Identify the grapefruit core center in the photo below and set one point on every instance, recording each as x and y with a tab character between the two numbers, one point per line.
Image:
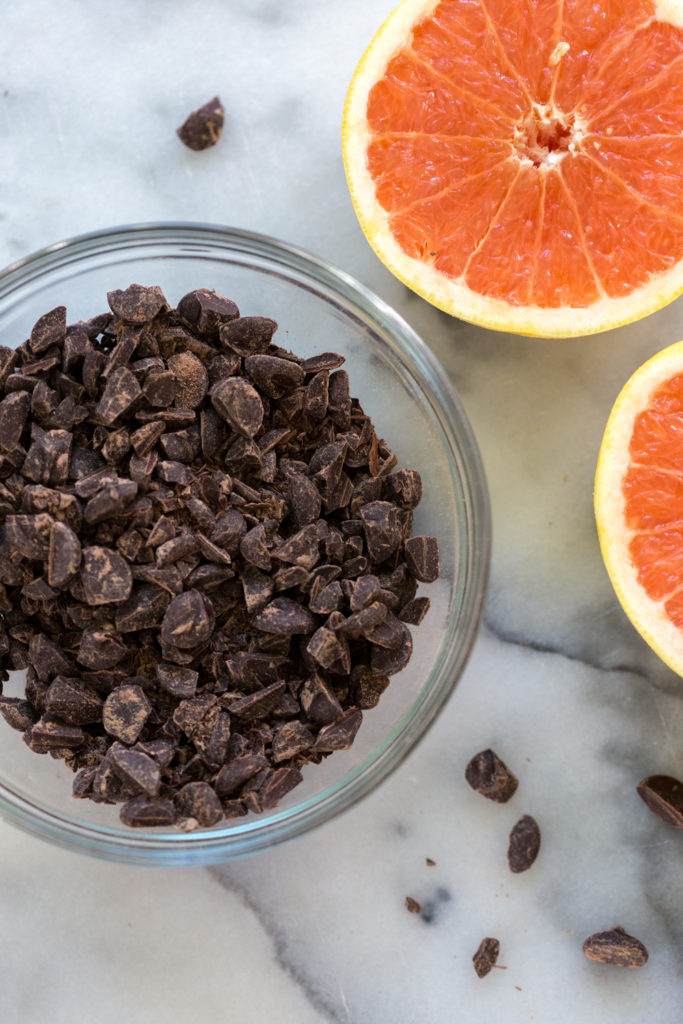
547	135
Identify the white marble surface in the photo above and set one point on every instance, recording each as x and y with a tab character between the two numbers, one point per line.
559	683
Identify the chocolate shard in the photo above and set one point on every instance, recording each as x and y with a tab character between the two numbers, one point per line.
106	576
340	734
14	409
318	701
525	842
203	127
48	330
491	777
191	379
17	713
73	703
304	498
125	712
404	487
239	404
236	772
248	335
101	649
137	304
382	529
50	734
301	549
273	376
284	617
177	680
281	782
47	659
141	812
422	558
64	555
198	802
47	460
206	312
137	770
290	739
119	398
616	947
188	621
259	704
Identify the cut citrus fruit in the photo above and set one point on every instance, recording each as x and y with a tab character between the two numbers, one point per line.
520	164
639	502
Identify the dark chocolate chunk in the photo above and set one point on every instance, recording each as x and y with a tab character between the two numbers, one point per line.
64	555
340	734
141	812
319	703
248	335
284	617
388	661
105	575
47	659
272	376
125	712
48	330
119	397
304	499
49	734
177	680
422	558
239	404
206	312
47	460
191	379
616	947
188	621
277	785
136	304
525	842
237	771
404	487
664	796
258	704
486	956
13	412
137	770
488	775
291	739
316	397
17	713
203	127
198	801
71	702
413	612
339	404
101	649
382	529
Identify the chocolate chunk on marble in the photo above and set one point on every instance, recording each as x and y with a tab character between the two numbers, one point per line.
203	127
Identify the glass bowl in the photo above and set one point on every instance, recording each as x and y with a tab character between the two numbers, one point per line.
405	391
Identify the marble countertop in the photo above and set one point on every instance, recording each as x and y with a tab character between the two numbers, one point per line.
559	683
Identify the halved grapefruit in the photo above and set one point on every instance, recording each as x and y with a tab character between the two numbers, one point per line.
639	502
519	163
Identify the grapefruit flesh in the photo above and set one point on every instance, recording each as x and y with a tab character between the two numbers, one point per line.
521	164
639	502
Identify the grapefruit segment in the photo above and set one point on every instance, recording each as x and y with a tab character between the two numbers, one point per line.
520	164
631	160
607	209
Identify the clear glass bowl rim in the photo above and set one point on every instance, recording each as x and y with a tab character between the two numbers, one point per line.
240	840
